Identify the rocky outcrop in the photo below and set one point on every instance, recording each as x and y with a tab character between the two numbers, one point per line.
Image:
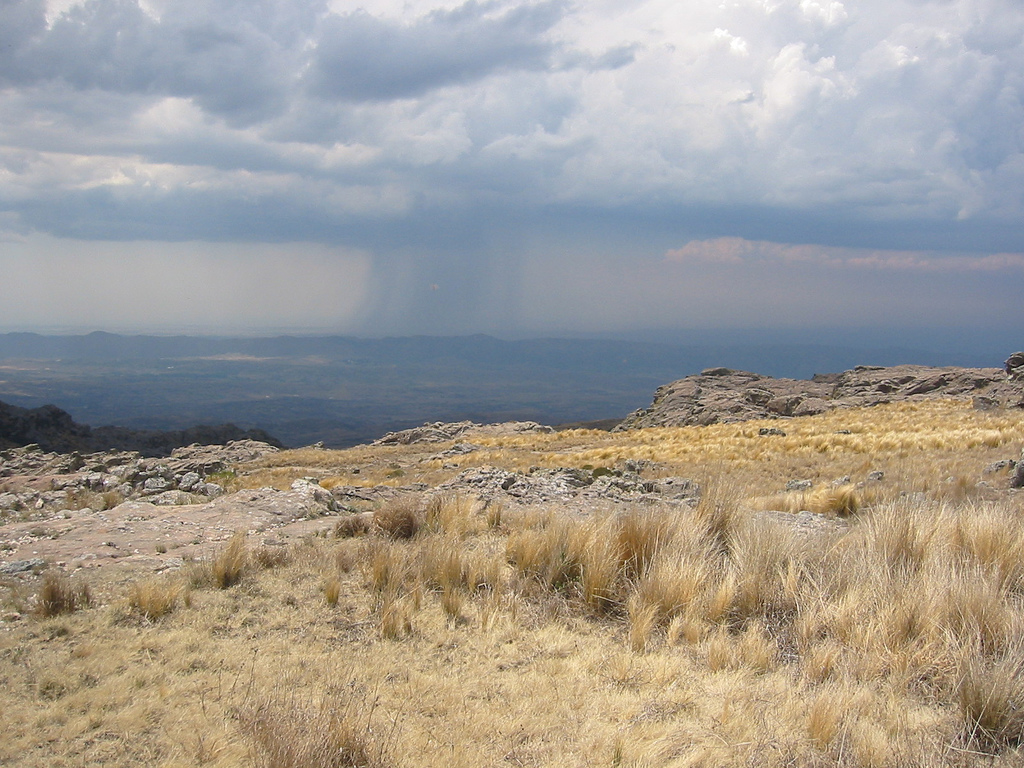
51	481
439	432
54	430
720	395
560	484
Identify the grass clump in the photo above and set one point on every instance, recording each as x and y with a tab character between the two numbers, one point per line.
225	569
991	701
229	565
155	598
290	736
398	520
59	594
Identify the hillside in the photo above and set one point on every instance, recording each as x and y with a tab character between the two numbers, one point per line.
835	589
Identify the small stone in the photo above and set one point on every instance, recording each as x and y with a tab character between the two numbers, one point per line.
799	485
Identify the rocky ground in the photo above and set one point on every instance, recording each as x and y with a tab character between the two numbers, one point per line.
90	510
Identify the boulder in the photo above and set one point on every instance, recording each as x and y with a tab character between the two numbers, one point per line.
1017	481
1014	366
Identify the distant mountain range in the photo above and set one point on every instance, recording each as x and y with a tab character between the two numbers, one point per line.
344	390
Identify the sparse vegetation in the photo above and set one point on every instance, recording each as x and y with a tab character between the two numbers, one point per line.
883	629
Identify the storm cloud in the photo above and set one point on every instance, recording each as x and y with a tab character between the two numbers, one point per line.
482	156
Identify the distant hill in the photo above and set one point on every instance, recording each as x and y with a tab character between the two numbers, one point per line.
54	430
343	390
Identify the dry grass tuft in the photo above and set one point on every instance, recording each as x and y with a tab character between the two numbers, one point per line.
155	598
397	520
267	557
332	590
230	564
991	699
58	595
290	736
353	525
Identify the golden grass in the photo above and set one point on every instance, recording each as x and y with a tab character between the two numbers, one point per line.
647	636
155	598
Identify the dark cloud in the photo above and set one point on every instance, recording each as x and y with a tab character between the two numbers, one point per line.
237	60
363	57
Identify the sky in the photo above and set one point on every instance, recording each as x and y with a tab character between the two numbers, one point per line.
514	168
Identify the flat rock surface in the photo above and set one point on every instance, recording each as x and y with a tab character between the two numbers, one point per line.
135	532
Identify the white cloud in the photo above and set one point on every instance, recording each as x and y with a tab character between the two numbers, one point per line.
426	121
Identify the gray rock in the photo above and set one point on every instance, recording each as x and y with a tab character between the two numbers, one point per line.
876	476
799	485
1017	481
1000	466
771	431
1014	366
21	566
155	485
189	481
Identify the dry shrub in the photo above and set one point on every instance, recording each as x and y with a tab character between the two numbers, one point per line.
596	550
156	598
290	736
352	525
718	514
229	565
674	586
452	600
58	594
398	520
642	621
992	538
768	563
